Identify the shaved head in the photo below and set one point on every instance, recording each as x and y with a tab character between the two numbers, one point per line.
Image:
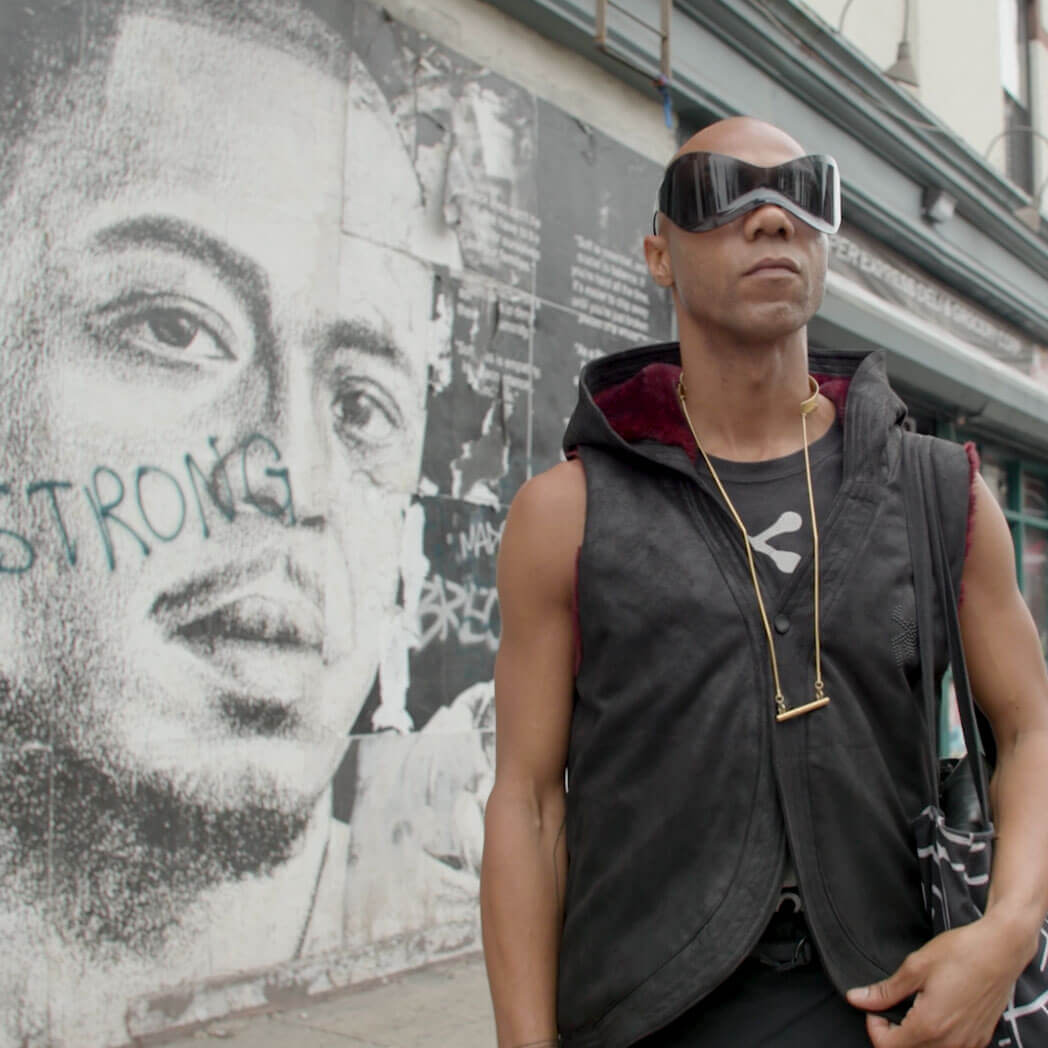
744	137
718	290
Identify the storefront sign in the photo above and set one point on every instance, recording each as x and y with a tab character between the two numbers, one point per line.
893	278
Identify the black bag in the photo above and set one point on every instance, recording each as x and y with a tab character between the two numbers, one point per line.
955	837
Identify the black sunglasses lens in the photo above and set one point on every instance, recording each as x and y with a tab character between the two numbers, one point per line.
682	192
701	186
809	183
703	190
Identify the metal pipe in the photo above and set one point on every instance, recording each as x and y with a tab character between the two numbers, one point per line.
664	53
905	18
1011	131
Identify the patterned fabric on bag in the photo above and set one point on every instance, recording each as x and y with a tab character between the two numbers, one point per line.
955	866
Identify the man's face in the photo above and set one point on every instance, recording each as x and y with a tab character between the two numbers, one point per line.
717	277
186	310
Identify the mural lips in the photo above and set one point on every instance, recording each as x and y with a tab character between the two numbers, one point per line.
260	631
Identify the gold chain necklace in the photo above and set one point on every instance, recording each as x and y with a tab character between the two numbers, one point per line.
782	711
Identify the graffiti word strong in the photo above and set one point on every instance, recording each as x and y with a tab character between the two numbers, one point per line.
149	504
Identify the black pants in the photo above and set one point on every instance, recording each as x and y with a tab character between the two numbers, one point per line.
759	1007
793	1005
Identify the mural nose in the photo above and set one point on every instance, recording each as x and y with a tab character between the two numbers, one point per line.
308	477
287	461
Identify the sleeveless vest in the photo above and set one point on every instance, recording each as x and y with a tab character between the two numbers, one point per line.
683	790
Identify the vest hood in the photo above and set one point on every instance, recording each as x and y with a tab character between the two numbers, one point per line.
628	401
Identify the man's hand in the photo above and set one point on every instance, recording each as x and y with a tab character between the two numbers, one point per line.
963	981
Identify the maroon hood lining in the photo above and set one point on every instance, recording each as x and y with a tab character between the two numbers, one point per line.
645	407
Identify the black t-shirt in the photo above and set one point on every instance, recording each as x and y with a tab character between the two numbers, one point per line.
771	497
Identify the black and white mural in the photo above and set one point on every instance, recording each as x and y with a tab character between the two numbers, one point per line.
291	302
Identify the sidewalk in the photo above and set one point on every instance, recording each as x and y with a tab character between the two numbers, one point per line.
447	1003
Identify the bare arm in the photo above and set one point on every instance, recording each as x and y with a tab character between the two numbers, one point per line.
1010	683
964	977
525	859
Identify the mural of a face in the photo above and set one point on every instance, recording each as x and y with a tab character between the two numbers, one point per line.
225	315
216	374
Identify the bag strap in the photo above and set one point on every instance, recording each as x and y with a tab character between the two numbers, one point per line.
924	590
922	495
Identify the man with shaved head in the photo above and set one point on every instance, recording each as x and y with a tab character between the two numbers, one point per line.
712	731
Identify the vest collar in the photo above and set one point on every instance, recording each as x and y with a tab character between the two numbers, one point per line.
628	403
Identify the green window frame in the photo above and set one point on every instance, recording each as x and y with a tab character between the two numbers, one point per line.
1026	525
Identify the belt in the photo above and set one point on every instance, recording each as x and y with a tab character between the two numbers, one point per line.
786	943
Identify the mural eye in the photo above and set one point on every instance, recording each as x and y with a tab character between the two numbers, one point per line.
172	328
168	331
365	415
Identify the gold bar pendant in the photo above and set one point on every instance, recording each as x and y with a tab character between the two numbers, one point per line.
798	711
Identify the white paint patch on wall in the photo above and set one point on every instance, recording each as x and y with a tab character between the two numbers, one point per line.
553	72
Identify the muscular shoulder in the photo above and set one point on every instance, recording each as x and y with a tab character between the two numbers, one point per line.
559	491
1001	641
544	529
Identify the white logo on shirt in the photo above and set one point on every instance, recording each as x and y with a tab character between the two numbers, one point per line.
783	559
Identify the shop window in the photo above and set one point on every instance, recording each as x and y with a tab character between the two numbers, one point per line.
1033	495
996	476
1035	543
1030	530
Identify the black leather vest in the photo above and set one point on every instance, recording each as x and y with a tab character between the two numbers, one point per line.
682	788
